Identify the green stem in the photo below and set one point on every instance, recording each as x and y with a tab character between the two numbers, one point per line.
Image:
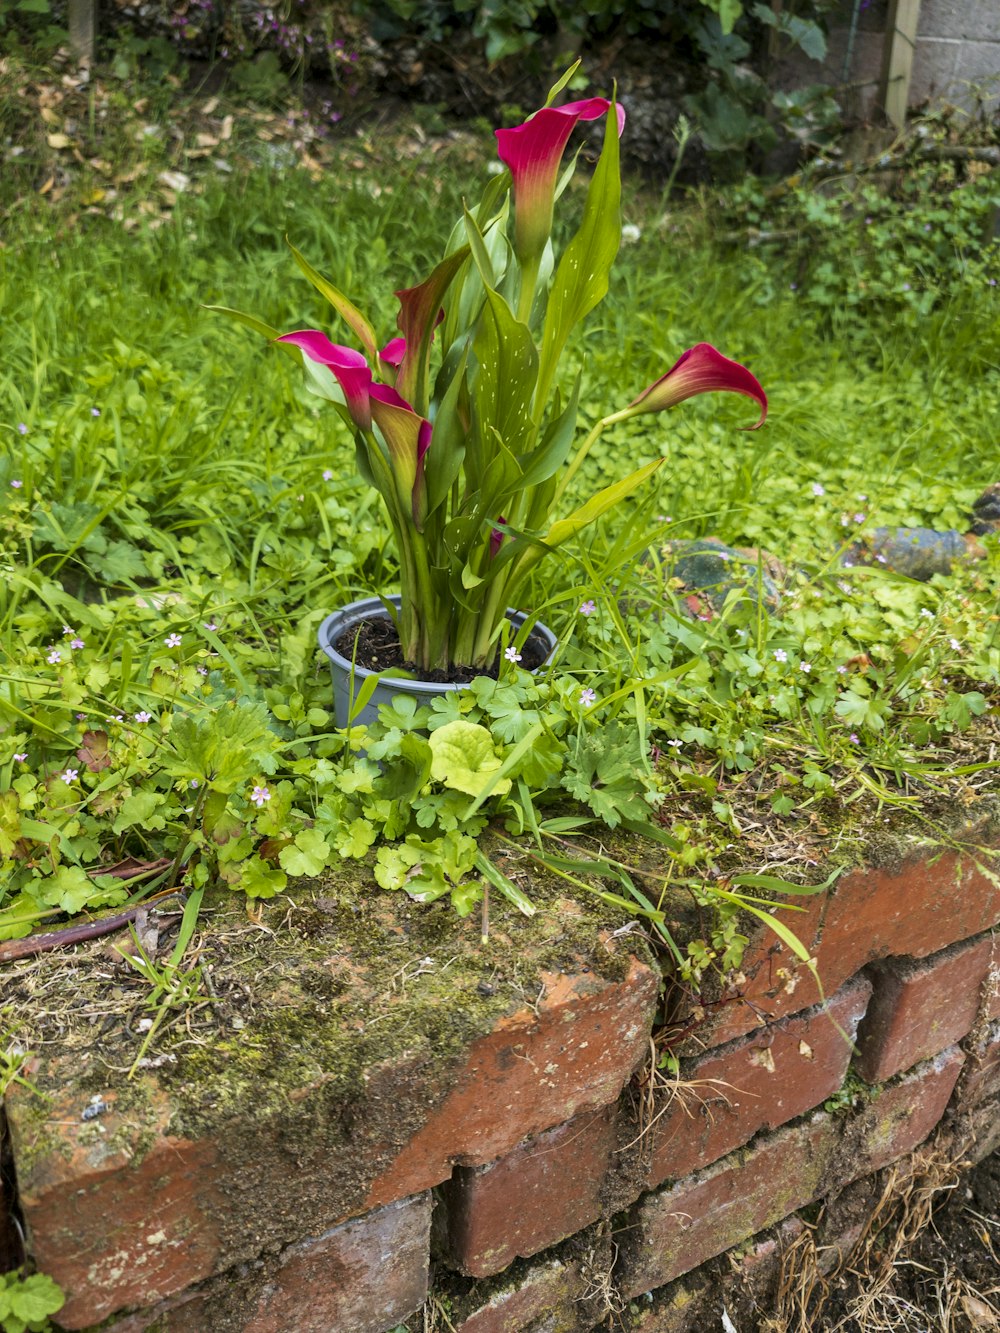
585	448
529	281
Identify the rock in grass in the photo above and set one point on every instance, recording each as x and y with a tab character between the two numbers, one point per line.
709	569
919	553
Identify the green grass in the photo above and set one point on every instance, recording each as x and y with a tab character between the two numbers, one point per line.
170	480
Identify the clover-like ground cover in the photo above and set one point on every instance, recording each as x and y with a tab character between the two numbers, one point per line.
177	517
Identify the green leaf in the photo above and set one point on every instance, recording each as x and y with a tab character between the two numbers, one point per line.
258	326
354	840
308	854
599	504
464	759
492	872
70	889
345	308
258	879
141	808
581	280
503	391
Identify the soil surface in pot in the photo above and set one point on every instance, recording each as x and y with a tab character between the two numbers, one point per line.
379	649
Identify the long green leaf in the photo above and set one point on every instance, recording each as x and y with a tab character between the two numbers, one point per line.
346	309
581	280
506	886
599	504
258	326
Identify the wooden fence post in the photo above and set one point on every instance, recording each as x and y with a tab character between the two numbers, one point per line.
83	28
897	59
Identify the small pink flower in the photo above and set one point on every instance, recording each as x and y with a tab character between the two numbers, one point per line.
143	716
587	697
211	626
70	775
17	484
587	609
54	656
780	655
173	640
805	666
21	757
854	738
76	643
260	796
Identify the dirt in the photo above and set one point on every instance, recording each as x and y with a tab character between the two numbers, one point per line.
374	644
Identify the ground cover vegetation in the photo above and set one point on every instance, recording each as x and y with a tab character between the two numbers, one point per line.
178	517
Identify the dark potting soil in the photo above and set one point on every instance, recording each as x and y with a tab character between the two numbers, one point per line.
378	649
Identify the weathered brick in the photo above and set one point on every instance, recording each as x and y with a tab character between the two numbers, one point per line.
675	1229
918	909
901	1116
113	1220
365	1276
131	1208
757	1082
981	1077
572	1052
773	982
979	1131
545	1291
549	1187
920	1006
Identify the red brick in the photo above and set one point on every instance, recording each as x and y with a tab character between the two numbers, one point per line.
921	1006
114	1226
572	1052
915	911
761	1081
125	1209
900	1117
981	1076
546	1189
772	983
364	1276
546	1291
675	1229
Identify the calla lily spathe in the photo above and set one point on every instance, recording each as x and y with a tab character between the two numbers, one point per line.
701	369
533	152
352	371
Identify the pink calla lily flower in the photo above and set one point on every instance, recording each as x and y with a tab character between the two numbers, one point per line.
701	369
352	371
497	536
408	437
393	352
533	152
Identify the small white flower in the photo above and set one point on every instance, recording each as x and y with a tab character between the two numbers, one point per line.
143	716
675	743
631	233
511	654
780	655
818	488
70	775
927	615
955	645
173	640
54	656
805	666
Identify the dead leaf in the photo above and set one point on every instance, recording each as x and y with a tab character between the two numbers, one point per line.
58	140
226	129
93	753
174	180
49	116
209	106
48	185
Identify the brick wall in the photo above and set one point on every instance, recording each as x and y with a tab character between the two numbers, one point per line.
546	1168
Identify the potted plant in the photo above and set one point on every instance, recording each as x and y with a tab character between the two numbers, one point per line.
463	422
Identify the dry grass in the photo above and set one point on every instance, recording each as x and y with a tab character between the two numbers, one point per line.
869	1288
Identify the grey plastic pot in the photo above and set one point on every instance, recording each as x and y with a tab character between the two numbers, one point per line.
335	625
